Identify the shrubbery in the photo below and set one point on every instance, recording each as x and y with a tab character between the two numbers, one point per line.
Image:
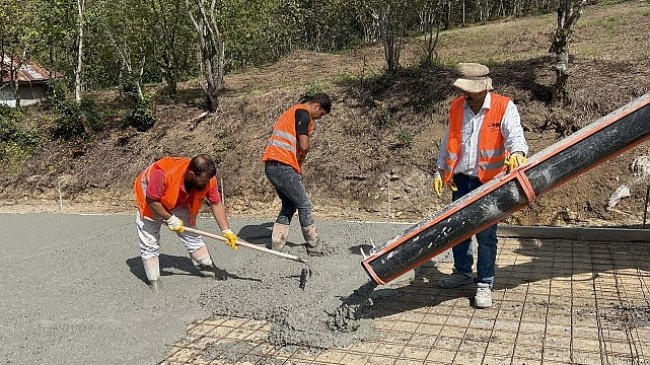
70	113
16	142
141	117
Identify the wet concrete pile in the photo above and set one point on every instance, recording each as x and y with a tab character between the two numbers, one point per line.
322	315
325	314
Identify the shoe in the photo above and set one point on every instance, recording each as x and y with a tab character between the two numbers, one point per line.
483	298
455	280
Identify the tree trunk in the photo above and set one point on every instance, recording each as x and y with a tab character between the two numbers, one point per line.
392	26
14	67
81	7
81	4
212	51
431	23
568	13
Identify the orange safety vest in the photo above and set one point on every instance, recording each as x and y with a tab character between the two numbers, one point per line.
492	152
174	169
283	144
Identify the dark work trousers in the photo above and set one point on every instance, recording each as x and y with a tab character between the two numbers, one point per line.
288	184
487	240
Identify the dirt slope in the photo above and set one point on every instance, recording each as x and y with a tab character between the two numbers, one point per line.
372	158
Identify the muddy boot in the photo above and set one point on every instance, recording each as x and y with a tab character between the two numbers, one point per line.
204	264
155	285
314	243
279	236
152	270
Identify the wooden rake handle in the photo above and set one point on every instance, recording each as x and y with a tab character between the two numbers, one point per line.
241	242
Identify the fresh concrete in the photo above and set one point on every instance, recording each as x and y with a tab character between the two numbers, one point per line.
73	291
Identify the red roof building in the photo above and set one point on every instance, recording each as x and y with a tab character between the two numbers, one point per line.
32	82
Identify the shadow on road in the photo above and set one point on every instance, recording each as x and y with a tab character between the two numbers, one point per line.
260	234
180	263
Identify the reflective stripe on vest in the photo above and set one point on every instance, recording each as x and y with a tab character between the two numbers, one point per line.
283	144
492	152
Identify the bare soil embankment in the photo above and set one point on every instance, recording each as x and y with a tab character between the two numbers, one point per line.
372	158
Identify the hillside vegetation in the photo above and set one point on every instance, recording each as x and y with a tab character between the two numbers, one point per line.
372	158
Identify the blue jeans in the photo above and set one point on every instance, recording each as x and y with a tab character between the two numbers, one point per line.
487	240
288	185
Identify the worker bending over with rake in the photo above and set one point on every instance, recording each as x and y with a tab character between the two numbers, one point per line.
483	134
283	158
172	190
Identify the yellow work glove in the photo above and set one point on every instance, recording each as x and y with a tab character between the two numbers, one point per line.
175	224
515	160
438	184
231	237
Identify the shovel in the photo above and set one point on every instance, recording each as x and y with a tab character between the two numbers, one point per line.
241	242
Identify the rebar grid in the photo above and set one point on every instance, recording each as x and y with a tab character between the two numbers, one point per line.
555	302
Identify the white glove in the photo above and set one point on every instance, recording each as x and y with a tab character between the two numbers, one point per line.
175	224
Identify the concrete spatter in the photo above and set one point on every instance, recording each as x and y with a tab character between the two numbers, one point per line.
322	315
346	317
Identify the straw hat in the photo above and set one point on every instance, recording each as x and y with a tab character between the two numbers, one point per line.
474	78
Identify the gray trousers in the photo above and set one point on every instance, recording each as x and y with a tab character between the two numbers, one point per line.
291	191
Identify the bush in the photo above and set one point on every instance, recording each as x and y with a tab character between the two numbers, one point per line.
70	116
312	89
68	123
141	117
7	113
16	142
10	131
405	137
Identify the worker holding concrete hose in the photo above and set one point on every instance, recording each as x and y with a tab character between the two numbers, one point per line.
172	191
484	135
283	158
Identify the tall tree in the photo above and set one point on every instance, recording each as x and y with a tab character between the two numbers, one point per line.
172	35
568	13
393	20
211	43
430	14
81	24
128	25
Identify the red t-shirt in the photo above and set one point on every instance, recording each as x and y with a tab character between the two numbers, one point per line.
156	189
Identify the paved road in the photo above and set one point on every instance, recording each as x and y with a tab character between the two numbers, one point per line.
73	292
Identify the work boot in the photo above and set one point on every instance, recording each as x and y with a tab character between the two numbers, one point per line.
152	270
213	271
279	236
483	298
314	243
455	280
204	264
155	285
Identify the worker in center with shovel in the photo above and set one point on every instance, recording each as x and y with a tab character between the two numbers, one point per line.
172	191
283	158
